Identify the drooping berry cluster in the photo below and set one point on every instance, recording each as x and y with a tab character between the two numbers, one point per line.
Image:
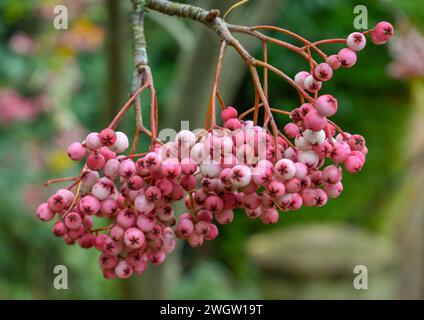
238	166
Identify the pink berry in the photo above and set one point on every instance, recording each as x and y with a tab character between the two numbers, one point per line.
315	121
76	151
86	241
143	205
89	205
126	218
285	169
347	57
356	142
73	221
134	238
323	72
44	213
233	124
356	41
214	203
93	141
341	151
312	85
225	216
241	176
121	144
127	168
326	105
333	190
152	161
331	174
291	130
108	137
300	78
353	164
184	228
269	216
107	261
276	189
95	161
59	229
56	203
334	62
171	168
382	33
123	270
229	113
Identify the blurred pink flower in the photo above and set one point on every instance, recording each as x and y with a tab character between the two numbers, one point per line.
21	43
14	107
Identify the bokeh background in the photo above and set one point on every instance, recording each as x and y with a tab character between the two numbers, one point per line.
57	85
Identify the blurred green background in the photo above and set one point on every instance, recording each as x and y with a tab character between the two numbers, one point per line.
57	85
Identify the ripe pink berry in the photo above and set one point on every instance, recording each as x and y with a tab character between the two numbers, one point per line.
152	161
123	270
99	242
107	153
184	228
315	121
121	144
89	178
321	198
95	161
251	201
358	154
89	205
127	168
107	261
134	238
188	166
126	218
331	174
86	241
93	141
276	189
356	142
382	33
67	195
323	72
291	130
73	221
214	203
333	190
233	124
56	203
188	182
59	229
285	169
135	183
241	176
145	223
229	113
300	78
353	164
334	62
293	185
171	168
142	205
312	85
102	189
225	216
108	137
356	41
341	151
44	213
76	151
269	216
309	197
347	57
326	105
310	158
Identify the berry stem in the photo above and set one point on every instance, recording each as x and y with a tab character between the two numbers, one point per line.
49	182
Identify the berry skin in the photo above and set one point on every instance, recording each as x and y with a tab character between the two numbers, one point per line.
333	190
142	205
121	144
300	78
44	213
89	205
326	105
353	164
95	161
356	142
356	41
56	203
127	168
93	141
241	176
312	85
315	121
323	72
347	57
73	221
134	238
108	137
382	33
225	216
184	228
331	174
291	130
334	62
229	113
59	229
285	169
76	151
123	270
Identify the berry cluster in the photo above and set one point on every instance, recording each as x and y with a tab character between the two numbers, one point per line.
215	171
